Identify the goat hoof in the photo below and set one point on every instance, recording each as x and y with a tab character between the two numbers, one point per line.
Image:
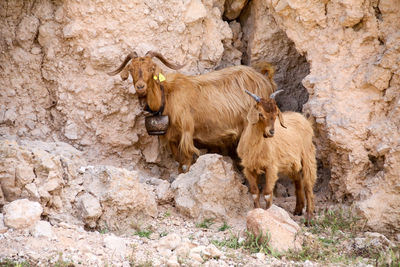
298	212
309	221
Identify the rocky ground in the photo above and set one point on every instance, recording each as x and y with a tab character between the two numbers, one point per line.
59	211
171	239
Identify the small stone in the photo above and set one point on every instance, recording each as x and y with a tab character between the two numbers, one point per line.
116	244
211	251
173	261
89	208
260	256
24	174
42	229
3	228
170	241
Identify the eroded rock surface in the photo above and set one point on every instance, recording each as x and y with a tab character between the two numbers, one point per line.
211	189
353	85
276	225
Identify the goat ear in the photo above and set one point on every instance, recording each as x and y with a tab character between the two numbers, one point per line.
253	116
125	73
281	119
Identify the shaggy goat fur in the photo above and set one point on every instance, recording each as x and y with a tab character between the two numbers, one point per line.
209	109
266	147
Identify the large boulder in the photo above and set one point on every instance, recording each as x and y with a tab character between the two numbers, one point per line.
211	189
276	225
22	213
122	197
45	172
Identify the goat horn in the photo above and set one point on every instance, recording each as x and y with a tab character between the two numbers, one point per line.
164	61
274	94
256	97
128	57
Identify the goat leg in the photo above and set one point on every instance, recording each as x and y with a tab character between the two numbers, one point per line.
298	182
271	176
251	177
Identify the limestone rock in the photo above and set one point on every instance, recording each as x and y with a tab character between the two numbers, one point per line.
211	189
276	224
351	47
266	41
89	208
171	242
70	96
3	228
42	229
233	8
122	197
117	245
22	213
195	11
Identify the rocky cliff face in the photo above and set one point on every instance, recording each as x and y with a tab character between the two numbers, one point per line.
340	56
354	50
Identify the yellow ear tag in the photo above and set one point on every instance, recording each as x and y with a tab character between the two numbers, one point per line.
161	77
155	77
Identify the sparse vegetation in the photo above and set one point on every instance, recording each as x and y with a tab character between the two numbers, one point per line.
167	214
104	230
336	230
206	223
224	227
251	243
331	241
144	233
147	263
62	263
11	263
163	234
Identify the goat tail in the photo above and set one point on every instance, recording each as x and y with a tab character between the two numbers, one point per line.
309	164
265	68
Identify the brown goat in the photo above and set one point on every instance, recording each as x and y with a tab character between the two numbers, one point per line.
209	109
267	147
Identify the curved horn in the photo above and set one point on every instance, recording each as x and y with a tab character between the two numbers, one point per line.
256	97
274	94
164	61
120	68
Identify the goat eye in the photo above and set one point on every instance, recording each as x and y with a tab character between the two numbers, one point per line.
261	115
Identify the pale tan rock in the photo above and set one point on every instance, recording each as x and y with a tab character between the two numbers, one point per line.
22	213
211	189
117	245
171	242
195	11
24	174
70	87
267	42
233	8
42	229
276	225
122	197
173	261
3	228
352	54
89	209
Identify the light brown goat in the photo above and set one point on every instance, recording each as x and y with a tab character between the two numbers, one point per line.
270	148
209	109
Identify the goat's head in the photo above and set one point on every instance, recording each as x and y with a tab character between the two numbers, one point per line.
143	70
264	113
